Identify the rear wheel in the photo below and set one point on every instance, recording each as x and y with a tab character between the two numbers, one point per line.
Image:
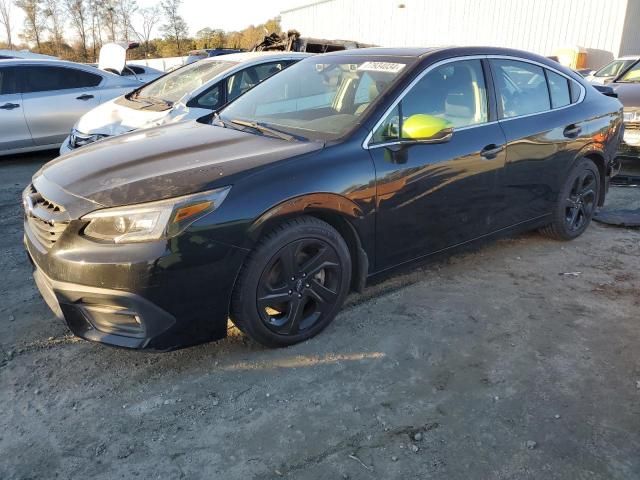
293	283
577	202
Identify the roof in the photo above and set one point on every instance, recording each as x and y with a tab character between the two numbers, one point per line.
385	51
43	61
247	56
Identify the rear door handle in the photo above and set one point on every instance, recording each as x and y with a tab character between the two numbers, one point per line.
86	96
491	151
572	131
9	106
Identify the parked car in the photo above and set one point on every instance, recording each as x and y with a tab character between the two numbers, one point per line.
195	55
24	54
40	100
187	93
610	71
341	167
627	88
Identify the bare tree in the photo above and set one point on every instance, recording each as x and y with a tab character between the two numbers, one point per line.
77	10
110	15
149	18
95	11
125	10
34	20
54	14
175	27
5	19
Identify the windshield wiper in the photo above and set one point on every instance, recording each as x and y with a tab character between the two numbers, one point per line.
263	129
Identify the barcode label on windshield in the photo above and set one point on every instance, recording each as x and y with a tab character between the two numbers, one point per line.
381	67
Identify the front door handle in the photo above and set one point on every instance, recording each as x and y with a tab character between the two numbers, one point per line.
85	97
491	151
9	106
572	131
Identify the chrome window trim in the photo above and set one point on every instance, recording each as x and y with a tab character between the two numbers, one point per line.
583	93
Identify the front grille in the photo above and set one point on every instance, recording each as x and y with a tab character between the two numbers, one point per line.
39	200
632	125
47	231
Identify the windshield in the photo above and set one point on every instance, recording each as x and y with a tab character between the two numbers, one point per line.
318	98
613	68
633	75
173	86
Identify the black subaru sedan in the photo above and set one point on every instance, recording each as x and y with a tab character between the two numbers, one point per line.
343	166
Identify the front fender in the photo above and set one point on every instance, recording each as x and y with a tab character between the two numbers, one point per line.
305	204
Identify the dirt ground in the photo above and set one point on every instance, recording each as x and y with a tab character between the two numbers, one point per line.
493	364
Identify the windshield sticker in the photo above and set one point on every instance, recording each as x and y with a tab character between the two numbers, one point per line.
381	67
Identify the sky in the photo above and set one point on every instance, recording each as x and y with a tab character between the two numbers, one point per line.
229	14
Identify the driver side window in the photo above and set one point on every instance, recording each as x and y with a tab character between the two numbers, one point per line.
453	95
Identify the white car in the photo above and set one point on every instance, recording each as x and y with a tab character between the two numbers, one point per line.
187	93
610	71
40	100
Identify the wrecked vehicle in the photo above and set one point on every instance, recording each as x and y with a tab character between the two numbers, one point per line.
184	94
293	42
341	167
113	59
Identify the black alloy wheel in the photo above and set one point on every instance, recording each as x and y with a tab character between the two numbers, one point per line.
577	202
298	286
581	202
293	283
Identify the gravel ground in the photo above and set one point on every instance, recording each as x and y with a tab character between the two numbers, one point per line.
492	364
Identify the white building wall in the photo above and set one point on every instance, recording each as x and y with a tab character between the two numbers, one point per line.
540	26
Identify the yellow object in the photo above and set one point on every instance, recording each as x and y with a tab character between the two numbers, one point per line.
572	56
423	126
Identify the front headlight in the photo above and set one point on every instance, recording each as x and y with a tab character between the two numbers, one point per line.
154	220
78	139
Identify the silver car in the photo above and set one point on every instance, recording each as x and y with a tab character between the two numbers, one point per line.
188	93
40	100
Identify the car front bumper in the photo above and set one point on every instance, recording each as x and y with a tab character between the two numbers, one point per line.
152	296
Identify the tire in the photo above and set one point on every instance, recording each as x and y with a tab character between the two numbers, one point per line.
576	203
293	283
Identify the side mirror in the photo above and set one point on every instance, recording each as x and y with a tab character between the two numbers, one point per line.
605	90
422	128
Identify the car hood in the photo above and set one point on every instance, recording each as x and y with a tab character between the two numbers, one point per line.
112	118
165	162
628	93
112	56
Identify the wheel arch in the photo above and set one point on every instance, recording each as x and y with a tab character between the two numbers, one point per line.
336	210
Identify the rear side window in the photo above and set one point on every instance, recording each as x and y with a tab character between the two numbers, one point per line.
8	81
522	88
558	89
46	78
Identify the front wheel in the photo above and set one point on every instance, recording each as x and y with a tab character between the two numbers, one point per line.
577	202
293	283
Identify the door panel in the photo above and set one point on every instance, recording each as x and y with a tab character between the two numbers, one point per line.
540	144
55	98
431	197
14	132
51	115
436	191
